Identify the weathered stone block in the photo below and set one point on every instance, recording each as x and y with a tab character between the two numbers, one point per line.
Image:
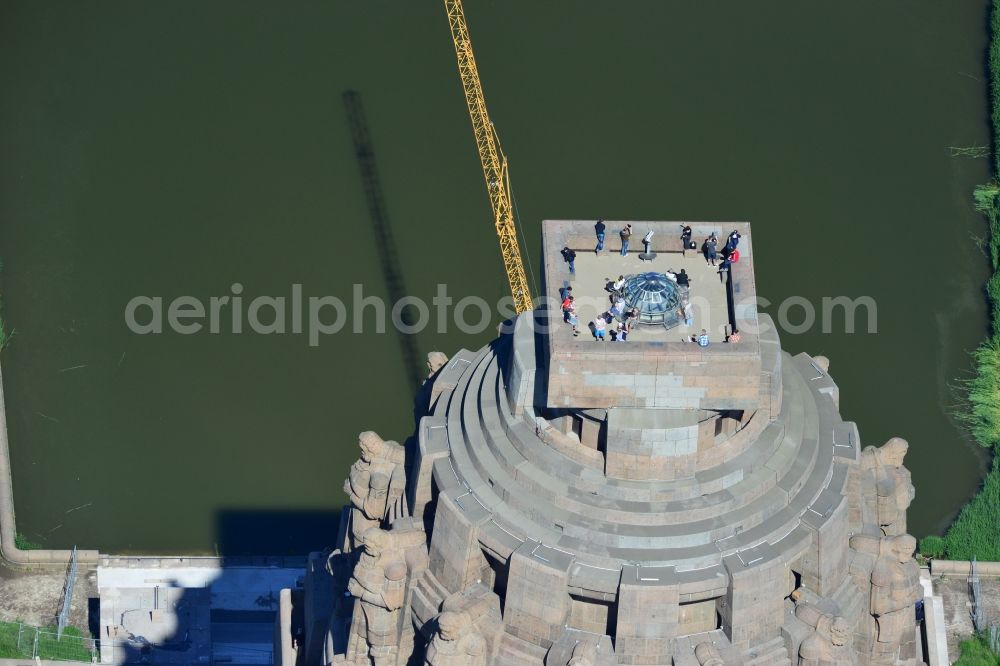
648	615
537	604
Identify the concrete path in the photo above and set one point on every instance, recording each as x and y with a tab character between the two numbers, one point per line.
233	588
934	623
39	662
954	592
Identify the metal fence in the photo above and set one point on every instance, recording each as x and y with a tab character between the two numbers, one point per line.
23	641
976	595
990	632
63	617
32	642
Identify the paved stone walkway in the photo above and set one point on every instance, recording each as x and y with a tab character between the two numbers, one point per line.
954	591
708	293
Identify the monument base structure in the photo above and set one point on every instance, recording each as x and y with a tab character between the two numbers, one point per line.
567	501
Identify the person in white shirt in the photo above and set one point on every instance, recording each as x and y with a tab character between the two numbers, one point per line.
599	327
618	284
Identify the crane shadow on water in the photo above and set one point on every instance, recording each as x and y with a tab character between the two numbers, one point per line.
385	240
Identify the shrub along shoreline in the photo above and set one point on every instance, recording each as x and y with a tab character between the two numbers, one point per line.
976	531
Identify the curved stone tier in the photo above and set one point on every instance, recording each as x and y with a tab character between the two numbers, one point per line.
769	497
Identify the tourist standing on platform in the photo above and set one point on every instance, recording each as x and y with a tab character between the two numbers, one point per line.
613	330
567	305
570	256
572	319
625	329
599	325
685	239
599	230
618	286
625	234
618	309
702	338
683	280
647	240
709	249
732	241
687	312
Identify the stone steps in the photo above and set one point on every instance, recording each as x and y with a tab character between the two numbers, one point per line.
450	375
534	491
427	597
513	651
644	520
699	507
461	459
559	511
771	653
851	600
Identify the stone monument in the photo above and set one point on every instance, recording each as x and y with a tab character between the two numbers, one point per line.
375	485
571	501
829	643
883	469
708	655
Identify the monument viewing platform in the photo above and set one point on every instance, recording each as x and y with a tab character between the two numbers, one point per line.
708	286
659	365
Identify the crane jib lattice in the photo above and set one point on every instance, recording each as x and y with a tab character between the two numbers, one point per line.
491	156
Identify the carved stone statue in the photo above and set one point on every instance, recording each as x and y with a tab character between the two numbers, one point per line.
822	362
708	655
584	654
474	614
828	645
894	583
435	361
895	589
893	487
379	584
457	642
375	485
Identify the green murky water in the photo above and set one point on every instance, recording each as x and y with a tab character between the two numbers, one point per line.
169	149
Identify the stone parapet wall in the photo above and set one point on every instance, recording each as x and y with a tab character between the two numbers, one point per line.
672	375
11	554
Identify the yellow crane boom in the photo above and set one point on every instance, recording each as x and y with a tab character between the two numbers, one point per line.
490	154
